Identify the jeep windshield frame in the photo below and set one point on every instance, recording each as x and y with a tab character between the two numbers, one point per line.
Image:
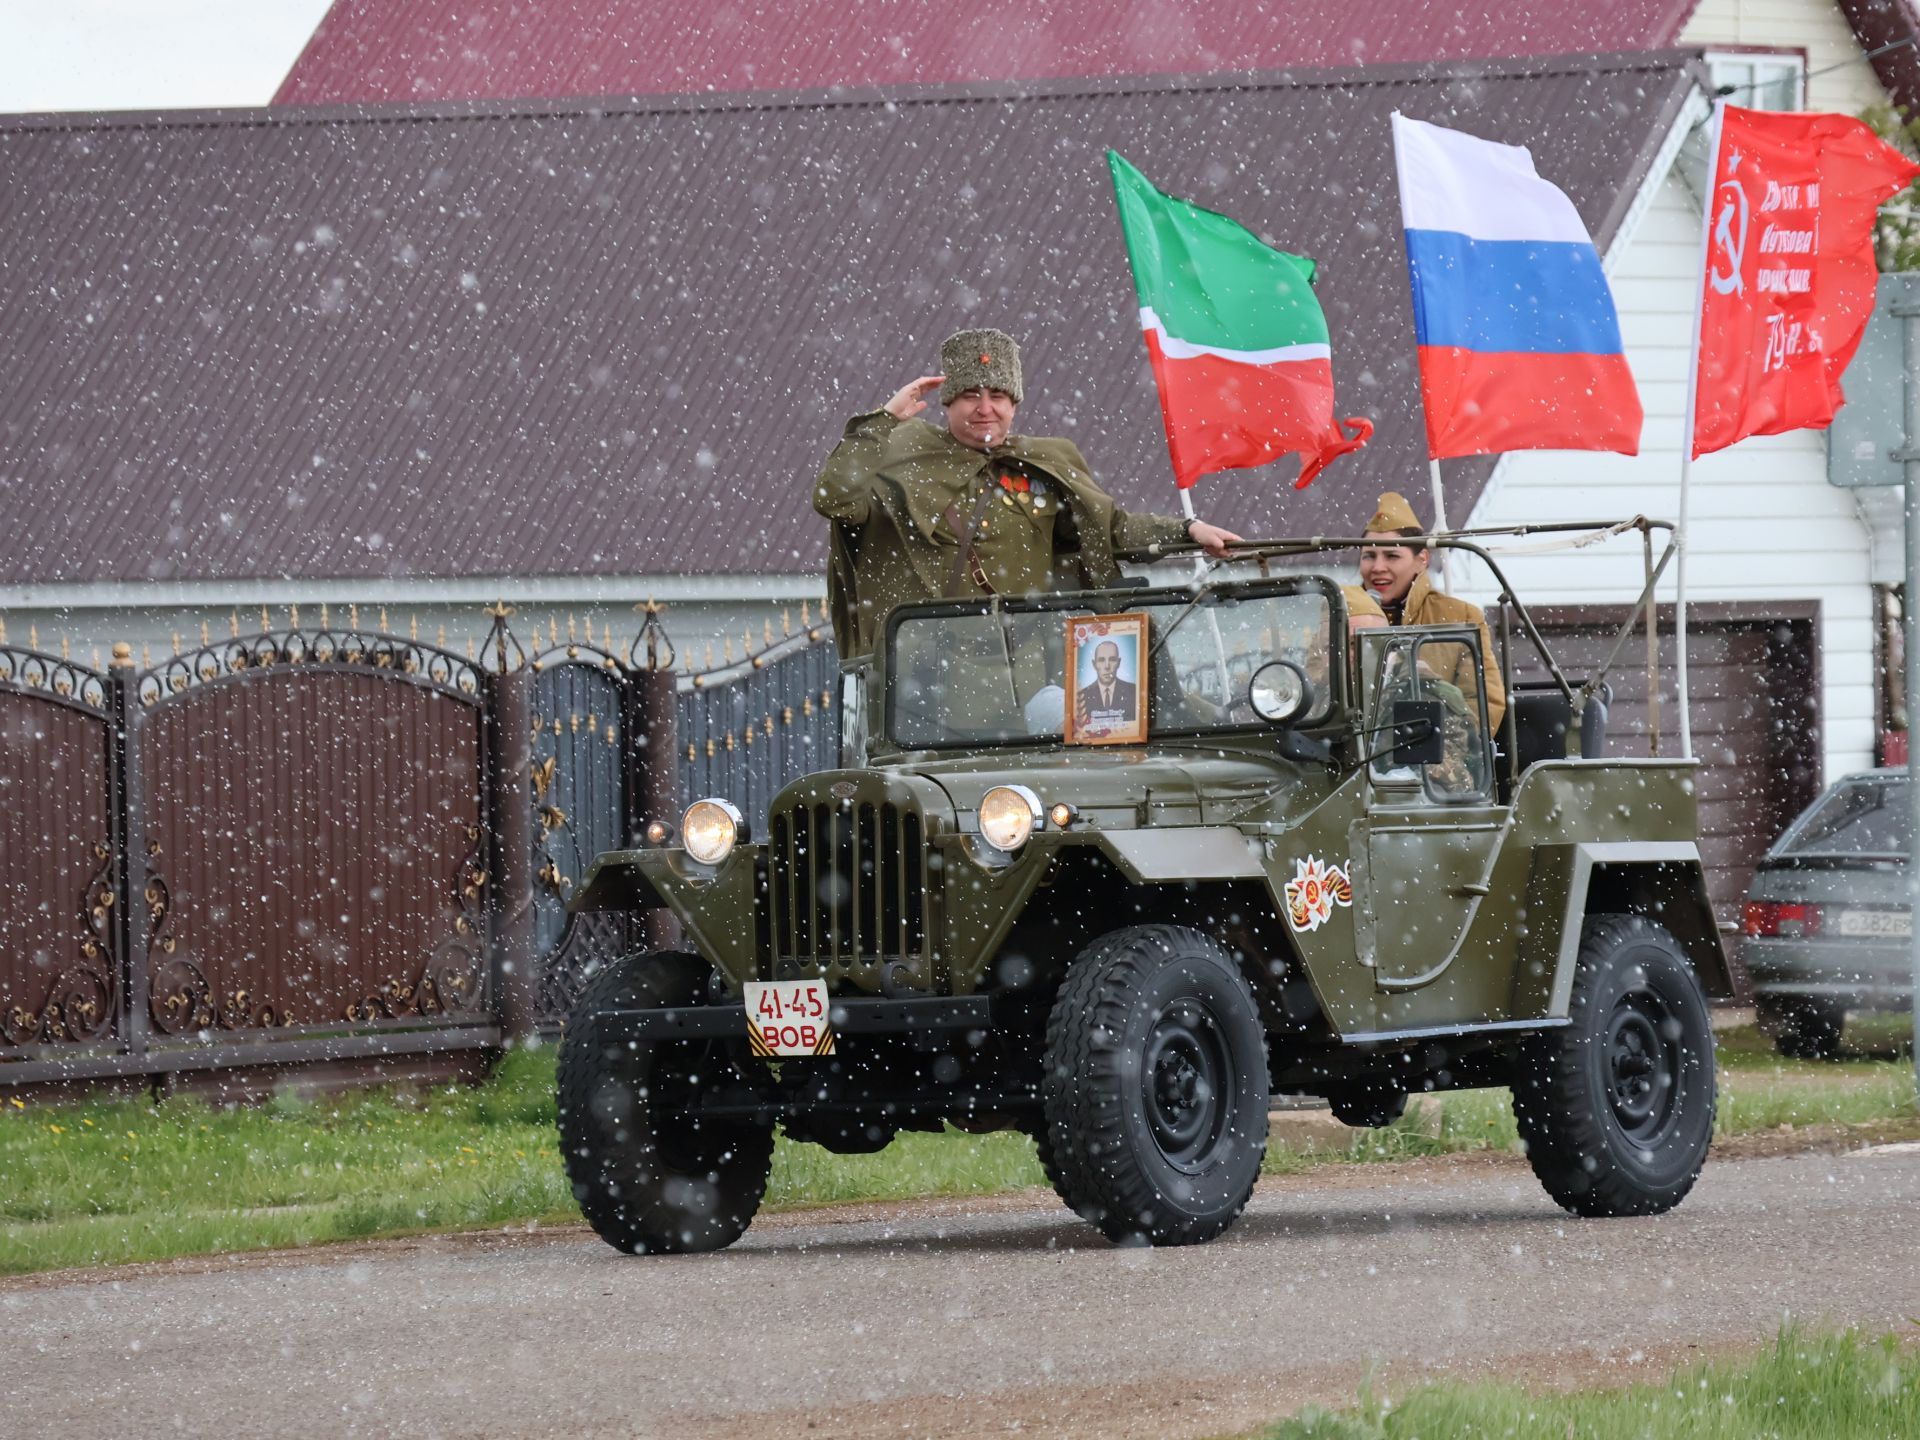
1568	535
910	727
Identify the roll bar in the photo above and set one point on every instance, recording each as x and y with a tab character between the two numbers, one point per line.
1595	531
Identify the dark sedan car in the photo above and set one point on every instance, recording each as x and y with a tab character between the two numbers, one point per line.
1828	922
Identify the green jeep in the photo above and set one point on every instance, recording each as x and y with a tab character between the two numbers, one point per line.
1289	860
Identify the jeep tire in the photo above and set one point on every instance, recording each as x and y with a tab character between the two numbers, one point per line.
650	1175
1155	1087
1803	1029
1616	1107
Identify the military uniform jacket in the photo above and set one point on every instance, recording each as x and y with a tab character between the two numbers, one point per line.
1428	606
901	492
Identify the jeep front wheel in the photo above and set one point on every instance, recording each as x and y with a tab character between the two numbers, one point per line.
1155	1090
1616	1107
652	1175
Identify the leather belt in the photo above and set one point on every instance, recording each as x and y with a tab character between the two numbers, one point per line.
966	564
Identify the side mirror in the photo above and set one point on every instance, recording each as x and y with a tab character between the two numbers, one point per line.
1417	736
1279	692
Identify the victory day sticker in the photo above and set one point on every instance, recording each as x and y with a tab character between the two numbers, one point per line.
1313	892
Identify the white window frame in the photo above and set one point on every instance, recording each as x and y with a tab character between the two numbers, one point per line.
1757	70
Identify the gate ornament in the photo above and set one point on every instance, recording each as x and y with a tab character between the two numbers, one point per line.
51	675
240	654
81	1003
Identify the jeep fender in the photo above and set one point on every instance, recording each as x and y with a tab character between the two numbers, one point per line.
1661	880
618	880
1184	852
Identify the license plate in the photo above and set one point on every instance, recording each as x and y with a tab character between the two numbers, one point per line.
1878	924
789	1017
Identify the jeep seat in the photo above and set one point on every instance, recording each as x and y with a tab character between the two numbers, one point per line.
1542	714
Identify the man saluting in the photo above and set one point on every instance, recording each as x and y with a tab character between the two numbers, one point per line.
969	508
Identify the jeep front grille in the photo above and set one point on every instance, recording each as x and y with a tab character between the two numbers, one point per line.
849	885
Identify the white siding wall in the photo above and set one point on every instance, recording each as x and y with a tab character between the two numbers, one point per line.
1817	26
1765	523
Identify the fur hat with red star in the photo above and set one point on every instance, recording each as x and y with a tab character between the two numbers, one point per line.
977	360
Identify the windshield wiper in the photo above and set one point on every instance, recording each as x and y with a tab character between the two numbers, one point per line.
1201	591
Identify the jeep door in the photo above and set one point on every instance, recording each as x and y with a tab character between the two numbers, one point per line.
1431	830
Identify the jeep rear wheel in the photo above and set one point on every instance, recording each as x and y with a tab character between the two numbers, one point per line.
1155	1090
1616	1108
651	1175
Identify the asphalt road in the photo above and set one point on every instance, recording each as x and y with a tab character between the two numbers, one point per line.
977	1318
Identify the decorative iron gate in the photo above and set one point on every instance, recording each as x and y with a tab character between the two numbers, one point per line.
747	729
337	845
307	839
580	734
60	966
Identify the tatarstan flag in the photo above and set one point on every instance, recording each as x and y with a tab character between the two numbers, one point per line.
1238	344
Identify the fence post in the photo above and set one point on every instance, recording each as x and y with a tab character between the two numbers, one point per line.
510	780
652	757
131	929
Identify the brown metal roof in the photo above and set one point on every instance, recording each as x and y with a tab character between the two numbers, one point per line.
1886	31
430	50
618	338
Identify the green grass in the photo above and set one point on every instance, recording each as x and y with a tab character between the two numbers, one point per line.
1758	1091
1803	1387
118	1181
126	1180
1871	1041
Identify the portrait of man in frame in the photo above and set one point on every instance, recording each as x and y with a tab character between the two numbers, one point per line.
1106	669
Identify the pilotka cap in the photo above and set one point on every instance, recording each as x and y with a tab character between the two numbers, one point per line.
1393	515
980	359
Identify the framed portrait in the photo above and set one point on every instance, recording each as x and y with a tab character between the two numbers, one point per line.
1107	679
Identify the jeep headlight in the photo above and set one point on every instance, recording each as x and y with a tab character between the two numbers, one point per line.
1009	814
710	829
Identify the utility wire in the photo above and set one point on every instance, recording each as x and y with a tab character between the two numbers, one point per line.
1870	56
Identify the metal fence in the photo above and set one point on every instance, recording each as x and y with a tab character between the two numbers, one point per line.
334	845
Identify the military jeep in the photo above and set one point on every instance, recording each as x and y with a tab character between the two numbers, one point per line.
1304	865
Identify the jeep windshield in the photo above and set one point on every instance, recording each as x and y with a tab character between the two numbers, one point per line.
990	672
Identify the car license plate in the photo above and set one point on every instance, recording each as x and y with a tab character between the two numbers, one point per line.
789	1017
1878	924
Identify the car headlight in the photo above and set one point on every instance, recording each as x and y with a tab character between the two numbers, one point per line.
1009	814
710	829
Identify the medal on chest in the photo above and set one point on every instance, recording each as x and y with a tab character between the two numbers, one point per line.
1022	492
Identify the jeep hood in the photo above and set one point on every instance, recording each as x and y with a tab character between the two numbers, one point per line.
1122	787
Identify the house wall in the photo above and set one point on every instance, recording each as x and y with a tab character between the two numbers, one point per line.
1816	26
1764	523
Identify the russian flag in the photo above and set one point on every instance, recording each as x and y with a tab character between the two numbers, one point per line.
1519	339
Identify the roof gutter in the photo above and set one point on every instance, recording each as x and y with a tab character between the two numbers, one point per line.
452	590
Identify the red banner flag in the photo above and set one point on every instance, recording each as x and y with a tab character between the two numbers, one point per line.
1790	269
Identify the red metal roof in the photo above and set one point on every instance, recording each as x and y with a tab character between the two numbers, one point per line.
618	339
427	50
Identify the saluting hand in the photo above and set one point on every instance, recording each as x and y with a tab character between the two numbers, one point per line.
911	398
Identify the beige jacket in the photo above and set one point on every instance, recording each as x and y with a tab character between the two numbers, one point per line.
1428	606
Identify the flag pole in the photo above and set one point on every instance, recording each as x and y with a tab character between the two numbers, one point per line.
1213	618
1687	421
1439	561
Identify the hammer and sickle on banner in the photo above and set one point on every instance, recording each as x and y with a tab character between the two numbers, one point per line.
1729	239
